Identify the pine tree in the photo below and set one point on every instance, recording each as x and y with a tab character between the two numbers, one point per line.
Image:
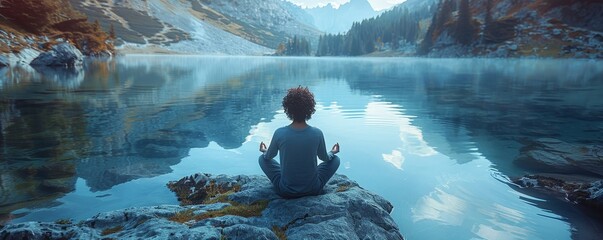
444	14
464	27
395	41
488	22
297	46
112	32
427	42
488	19
96	25
304	47
321	46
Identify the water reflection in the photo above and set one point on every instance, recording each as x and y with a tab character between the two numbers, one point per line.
442	207
66	78
128	119
158	118
39	142
479	108
395	158
504	222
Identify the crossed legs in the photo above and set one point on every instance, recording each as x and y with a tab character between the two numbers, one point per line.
272	169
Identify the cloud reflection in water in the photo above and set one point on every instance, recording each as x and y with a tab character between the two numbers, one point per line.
382	113
440	206
395	159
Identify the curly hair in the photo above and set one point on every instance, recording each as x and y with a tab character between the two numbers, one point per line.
299	104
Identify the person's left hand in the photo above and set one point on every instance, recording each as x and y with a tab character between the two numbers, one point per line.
335	148
263	147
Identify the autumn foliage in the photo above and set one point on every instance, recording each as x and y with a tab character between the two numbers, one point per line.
56	19
32	15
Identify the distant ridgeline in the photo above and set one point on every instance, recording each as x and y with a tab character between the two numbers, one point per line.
337	20
40	24
462	28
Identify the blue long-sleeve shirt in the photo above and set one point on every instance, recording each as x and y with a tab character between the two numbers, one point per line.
298	149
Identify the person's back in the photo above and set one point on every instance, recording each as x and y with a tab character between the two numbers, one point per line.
298	146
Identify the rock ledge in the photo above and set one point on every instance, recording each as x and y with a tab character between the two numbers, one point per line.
234	207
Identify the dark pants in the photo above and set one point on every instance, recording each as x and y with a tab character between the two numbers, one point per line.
272	169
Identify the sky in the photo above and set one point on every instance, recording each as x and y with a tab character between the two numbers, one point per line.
377	4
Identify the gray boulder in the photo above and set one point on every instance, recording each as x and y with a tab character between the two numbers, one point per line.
3	61
234	207
63	54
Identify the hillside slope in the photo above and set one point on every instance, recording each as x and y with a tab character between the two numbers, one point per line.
247	27
470	28
509	28
37	25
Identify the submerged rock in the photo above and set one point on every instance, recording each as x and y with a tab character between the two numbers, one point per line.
63	54
556	156
584	191
234	207
571	172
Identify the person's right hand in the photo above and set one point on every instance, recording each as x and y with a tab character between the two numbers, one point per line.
335	148
263	147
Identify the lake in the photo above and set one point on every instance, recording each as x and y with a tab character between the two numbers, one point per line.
436	137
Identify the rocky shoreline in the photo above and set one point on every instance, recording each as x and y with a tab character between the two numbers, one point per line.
233	207
584	192
571	172
60	55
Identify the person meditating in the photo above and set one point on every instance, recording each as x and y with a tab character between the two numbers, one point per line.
298	145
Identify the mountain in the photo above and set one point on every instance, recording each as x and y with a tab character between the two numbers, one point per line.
447	28
236	27
247	27
397	30
414	5
339	20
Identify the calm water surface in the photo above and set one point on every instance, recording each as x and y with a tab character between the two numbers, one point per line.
436	137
